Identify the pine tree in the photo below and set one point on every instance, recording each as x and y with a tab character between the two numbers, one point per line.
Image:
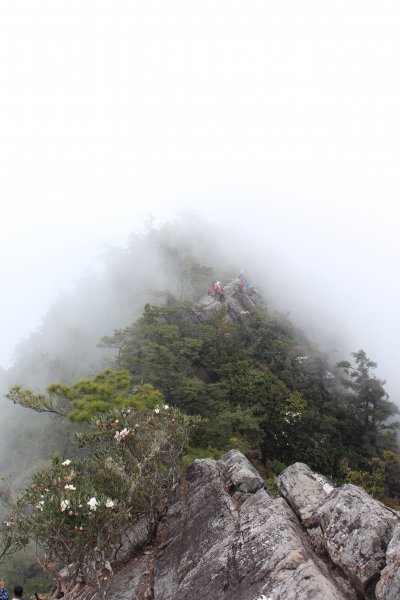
369	403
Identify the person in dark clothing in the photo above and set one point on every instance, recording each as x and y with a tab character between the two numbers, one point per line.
18	591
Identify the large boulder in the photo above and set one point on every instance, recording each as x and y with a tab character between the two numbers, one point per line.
357	530
304	490
353	529
240	473
225	536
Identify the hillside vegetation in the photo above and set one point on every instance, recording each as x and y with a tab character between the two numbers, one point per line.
251	381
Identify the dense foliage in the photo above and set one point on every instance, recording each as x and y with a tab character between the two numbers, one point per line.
260	386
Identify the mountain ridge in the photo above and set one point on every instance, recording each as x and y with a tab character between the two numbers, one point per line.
257	383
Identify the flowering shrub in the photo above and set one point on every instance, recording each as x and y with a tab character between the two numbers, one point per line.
77	511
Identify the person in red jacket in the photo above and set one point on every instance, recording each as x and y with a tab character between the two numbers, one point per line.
217	291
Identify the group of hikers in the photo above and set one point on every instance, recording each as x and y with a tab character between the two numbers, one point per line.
17	593
218	292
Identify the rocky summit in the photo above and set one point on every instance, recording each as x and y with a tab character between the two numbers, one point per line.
225	536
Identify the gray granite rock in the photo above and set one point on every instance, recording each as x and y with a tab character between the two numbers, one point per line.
240	472
131	538
131	582
217	542
352	527
388	587
357	530
304	490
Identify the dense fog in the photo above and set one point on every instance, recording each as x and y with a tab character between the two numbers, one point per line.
267	132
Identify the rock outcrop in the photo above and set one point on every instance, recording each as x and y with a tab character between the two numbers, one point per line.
237	302
388	587
352	528
224	535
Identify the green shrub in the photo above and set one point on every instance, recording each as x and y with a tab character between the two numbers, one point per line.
76	512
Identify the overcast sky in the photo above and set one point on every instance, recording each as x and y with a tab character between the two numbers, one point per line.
281	118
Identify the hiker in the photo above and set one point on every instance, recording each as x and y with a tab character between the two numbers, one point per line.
18	591
244	284
216	288
3	591
218	291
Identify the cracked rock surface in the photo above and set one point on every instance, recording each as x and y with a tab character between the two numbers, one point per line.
224	536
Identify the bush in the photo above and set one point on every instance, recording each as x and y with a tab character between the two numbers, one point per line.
76	512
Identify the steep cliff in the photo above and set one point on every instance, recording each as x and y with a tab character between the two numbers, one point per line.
224	535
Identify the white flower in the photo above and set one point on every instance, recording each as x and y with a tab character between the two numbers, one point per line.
301	359
120	435
156	410
64	505
110	503
66	463
93	504
69	487
166	406
7	523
